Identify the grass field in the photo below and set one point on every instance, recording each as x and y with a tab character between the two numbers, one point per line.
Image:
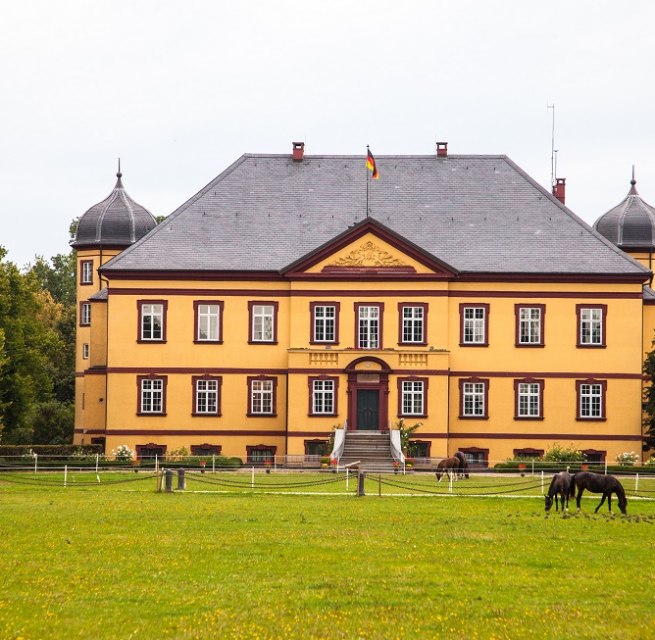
118	560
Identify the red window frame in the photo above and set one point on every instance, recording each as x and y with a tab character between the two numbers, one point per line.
194	389
272	449
164	321
380	306
83	265
251	305
541	384
83	305
206	449
310	383
603	401
517	334
485	382
477	450
220	305
400	397
273	413
603	340
401	307
487	310
139	388
312	316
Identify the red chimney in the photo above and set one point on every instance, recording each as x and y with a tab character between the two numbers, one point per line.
559	190
442	149
298	151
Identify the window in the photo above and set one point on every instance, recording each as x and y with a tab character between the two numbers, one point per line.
411	392
476	456
85	351
473	398
323	399
86	272
369	325
263	325
316	448
261	397
591	325
419	448
150	451
152	320
152	395
260	454
206	395
85	314
528	399
474	325
325	327
208	321
594	456
530	325
591	399
412	323
206	449
528	452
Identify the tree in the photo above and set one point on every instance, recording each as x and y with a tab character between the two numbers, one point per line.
649	399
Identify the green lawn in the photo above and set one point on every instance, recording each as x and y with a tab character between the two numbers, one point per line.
118	560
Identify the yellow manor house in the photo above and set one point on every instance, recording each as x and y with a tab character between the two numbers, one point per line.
294	294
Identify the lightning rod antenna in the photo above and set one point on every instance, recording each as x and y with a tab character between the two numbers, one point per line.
552	147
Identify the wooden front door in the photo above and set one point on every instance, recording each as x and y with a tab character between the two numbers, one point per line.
368	409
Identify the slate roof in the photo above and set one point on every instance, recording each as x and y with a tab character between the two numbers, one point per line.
116	221
475	213
631	224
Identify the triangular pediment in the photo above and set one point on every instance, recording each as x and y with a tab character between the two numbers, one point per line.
369	249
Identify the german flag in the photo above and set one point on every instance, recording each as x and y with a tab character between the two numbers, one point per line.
370	164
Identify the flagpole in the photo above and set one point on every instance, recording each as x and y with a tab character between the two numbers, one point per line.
368	179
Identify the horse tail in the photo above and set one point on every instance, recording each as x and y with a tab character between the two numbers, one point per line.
572	487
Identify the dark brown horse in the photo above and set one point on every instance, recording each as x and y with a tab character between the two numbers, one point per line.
463	464
561	485
448	466
598	483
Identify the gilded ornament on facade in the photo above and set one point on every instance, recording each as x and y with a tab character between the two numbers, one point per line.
368	255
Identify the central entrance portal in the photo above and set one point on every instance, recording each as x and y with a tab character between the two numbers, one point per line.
368	409
368	394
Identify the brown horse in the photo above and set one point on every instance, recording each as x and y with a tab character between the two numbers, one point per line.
561	485
598	483
448	466
463	464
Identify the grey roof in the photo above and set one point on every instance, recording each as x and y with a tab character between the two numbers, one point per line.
116	221
102	295
475	213
649	294
631	224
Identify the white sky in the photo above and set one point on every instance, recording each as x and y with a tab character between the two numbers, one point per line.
179	90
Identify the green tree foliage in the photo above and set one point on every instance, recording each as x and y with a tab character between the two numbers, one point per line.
649	399
37	343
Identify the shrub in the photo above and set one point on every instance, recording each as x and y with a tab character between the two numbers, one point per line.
627	458
558	453
122	453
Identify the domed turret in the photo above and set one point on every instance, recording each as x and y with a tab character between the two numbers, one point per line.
117	221
631	224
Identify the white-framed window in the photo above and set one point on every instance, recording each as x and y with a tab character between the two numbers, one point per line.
85	351
591	400
152	321
474	321
85	313
323	396
206	396
152	395
262	318
261	397
86	274
474	396
369	318
324	328
412	324
591	326
412	398
530	330
528	400
209	323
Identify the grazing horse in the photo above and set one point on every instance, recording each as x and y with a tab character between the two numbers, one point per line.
598	483
463	464
563	485
448	466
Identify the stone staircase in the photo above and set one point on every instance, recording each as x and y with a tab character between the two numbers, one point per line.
372	448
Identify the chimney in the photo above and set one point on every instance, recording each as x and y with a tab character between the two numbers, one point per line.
442	149
298	151
559	190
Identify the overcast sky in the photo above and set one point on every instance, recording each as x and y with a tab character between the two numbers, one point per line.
179	90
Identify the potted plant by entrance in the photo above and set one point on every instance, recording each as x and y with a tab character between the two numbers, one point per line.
325	462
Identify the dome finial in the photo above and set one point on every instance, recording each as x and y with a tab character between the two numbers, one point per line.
119	175
633	182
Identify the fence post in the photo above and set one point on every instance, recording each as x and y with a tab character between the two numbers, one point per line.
65	475
181	480
213	463
252	477
533	467
168	474
379	486
636	483
97	462
36	462
361	476
542	482
347	478
605	466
